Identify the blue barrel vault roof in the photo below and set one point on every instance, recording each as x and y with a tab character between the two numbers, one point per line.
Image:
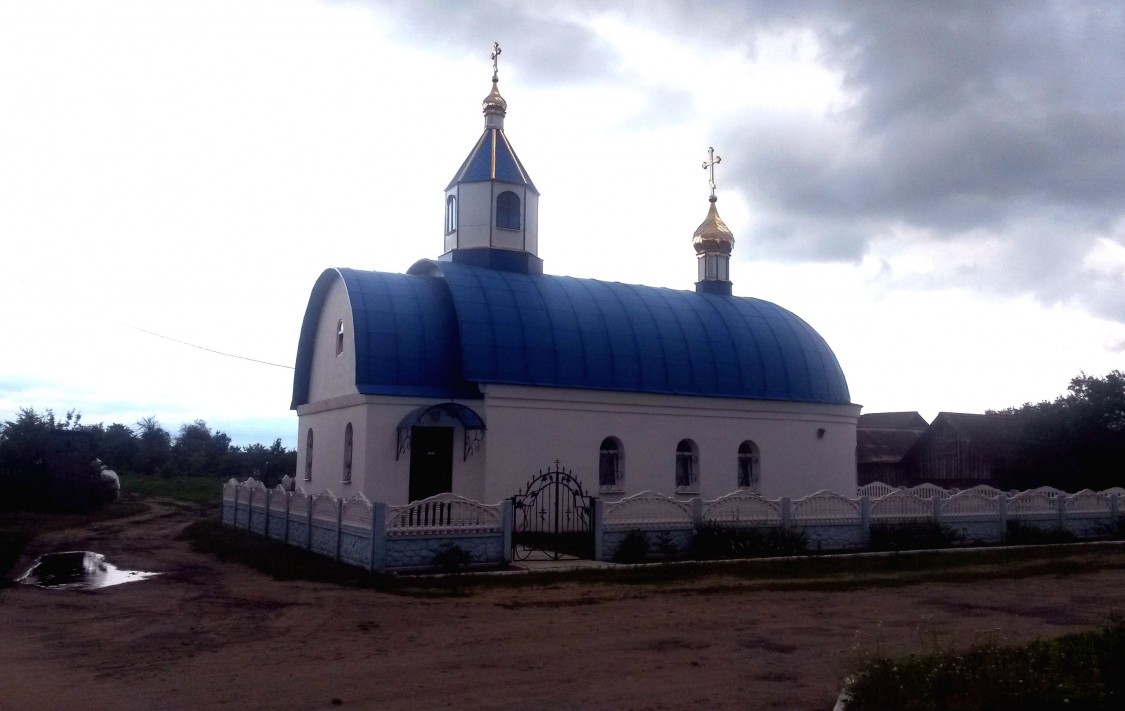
428	335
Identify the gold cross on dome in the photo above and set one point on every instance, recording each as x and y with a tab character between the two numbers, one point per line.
709	164
495	56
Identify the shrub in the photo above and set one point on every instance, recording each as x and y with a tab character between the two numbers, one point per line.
633	548
1019	533
713	541
911	536
1074	671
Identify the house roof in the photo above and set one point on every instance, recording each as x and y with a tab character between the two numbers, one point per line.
994	436
893	420
883	446
443	328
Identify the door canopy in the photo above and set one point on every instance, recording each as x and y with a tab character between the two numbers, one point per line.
431	415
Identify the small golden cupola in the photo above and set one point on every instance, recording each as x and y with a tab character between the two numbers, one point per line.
713	242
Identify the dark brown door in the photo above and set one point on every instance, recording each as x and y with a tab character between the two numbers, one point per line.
431	461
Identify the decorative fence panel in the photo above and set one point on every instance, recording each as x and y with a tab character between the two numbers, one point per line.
363	534
901	506
877	489
742	508
278	508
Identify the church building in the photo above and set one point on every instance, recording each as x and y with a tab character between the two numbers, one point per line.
473	371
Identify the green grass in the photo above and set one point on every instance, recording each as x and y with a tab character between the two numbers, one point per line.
1075	671
203	491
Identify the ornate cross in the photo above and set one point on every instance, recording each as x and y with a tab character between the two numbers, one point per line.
709	164
495	55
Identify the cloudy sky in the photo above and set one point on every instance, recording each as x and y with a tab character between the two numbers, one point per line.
938	188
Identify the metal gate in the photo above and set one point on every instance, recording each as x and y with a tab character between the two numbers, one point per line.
553	518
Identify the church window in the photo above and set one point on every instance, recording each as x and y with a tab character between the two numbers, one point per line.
609	464
450	214
347	454
687	466
340	337
508	210
749	474
308	455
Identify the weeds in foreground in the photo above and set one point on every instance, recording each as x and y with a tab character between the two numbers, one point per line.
1077	671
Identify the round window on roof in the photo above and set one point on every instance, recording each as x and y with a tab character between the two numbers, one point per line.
508	210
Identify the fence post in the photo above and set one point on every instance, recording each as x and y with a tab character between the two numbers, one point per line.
288	498
378	535
1002	500
696	512
599	514
938	500
865	518
1115	508
308	521
786	511
269	498
1061	499
507	520
234	511
249	507
339	530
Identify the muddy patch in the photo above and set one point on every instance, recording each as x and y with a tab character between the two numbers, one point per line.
78	570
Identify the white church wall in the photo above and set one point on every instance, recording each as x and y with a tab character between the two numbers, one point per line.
529	428
328	421
531	221
376	471
474	221
333	375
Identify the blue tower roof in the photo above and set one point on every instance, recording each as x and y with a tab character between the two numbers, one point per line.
439	336
492	158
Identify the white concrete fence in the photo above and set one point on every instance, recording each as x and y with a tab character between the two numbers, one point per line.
834	522
376	536
370	535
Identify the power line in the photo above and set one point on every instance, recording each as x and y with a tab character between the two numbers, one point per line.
202	348
174	340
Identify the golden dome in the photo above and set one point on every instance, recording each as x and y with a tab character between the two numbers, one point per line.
713	235
494	104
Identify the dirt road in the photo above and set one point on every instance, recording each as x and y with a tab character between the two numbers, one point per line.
207	634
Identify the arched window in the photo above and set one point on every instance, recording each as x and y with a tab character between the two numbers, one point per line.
450	214
348	454
749	474
308	455
609	464
508	210
687	466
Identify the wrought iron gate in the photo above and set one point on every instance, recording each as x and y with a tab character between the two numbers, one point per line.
553	517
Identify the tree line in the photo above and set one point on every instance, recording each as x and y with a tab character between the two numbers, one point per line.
50	462
1076	441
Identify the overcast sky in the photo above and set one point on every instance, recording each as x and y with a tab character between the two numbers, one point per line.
937	188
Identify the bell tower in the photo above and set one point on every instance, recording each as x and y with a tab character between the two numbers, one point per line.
713	242
491	205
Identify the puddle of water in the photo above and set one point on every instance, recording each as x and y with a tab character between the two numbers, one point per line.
78	570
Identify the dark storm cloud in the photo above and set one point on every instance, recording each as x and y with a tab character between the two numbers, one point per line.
1001	119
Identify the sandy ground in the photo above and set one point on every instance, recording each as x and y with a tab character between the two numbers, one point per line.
207	634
